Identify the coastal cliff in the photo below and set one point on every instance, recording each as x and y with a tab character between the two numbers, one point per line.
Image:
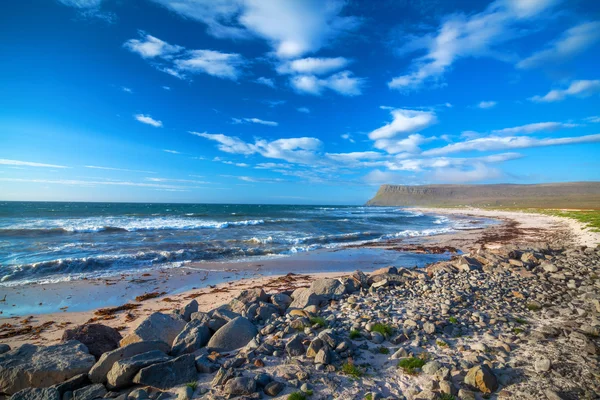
556	195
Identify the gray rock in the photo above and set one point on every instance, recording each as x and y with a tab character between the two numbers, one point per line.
482	378
124	370
262	380
548	267
187	311
281	301
168	374
377	337
96	391
328	288
4	348
274	388
428	327
194	336
542	364
222	376
103	366
138	394
294	346
157	326
431	367
204	365
36	394
38	366
250	296
314	347
98	338
304	298
240	386
233	335
76	382
323	357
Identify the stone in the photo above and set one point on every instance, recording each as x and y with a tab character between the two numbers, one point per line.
189	309
274	388
36	394
204	365
39	366
548	267
233	335
377	337
262	380
193	337
157	326
482	378
265	311
138	394
95	391
4	348
385	270
464	394
361	279
428	327
294	346
314	347
123	371
76	382
250	296
328	288
323	357
431	367
305	297
542	364
185	393
222	376
168	374
99	371
282	301
240	386
98	338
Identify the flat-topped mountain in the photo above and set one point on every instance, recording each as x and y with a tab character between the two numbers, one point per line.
546	195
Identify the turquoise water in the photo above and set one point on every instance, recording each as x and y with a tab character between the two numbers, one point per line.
48	241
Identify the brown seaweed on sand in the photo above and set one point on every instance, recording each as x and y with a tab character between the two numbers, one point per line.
114	310
147	296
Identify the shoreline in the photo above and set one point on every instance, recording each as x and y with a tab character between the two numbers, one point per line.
179	284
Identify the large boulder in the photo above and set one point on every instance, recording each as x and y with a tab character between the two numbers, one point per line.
328	288
250	296
95	391
282	301
186	311
193	337
36	394
105	363
168	374
304	298
122	372
38	366
482	378
158	326
242	386
233	335
98	338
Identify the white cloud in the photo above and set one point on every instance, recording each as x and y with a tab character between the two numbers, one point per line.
404	122
118	169
90	183
296	150
151	47
354	156
572	42
313	66
494	143
126	89
82	3
595	119
266	81
465	36
378	177
176	180
409	144
274	103
254	121
536	127
272	166
344	83
419	164
347	137
146	119
486	104
304	110
4	161
580	88
474	173
172	151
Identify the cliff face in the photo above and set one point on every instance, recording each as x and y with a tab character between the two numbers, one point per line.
557	195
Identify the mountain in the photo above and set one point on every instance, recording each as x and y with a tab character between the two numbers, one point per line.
546	195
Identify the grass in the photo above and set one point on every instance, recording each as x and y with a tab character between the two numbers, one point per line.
533	307
520	321
354	334
441	343
192	385
352	370
409	365
384	329
383	350
591	218
447	396
297	396
318	321
453	320
518	330
369	396
309	392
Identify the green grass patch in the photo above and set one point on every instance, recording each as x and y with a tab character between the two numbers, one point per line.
521	321
453	320
354	334
533	307
447	396
297	396
384	329
383	350
518	330
318	321
192	385
441	343
369	396
352	370
409	365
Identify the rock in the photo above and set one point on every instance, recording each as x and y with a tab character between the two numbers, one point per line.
138	394
233	335
281	301
548	267
328	288
542	364
98	338
305	297
250	296
294	346
262	380
431	367
377	337
222	376
105	363
274	388
76	382
314	347
123	371
323	357
38	366
240	386
361	279
157	326
187	311
204	365
194	336
168	374
385	270
36	394
96	391
381	283
4	348
482	378
265	311
185	393
464	394
428	327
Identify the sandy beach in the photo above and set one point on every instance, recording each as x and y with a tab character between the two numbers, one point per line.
43	312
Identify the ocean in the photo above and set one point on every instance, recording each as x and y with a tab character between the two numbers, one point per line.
45	242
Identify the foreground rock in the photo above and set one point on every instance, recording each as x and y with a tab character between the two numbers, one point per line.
98	338
233	335
38	366
168	374
156	327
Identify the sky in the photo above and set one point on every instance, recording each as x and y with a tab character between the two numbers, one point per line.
296	101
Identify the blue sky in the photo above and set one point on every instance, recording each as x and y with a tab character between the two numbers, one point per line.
299	101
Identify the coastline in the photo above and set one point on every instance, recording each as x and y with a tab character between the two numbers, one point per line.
218	283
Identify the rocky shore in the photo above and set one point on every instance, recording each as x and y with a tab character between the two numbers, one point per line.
514	322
